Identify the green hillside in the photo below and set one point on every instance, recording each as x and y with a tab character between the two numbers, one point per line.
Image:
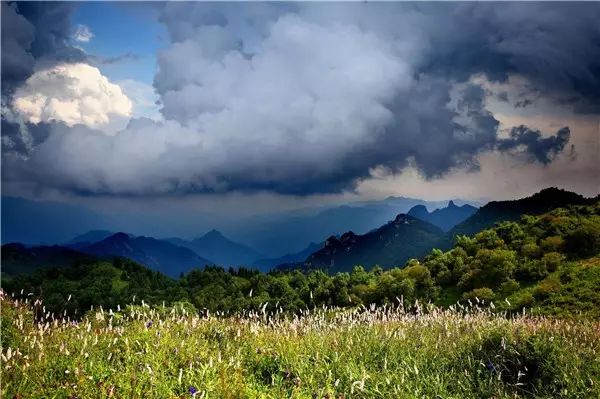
498	211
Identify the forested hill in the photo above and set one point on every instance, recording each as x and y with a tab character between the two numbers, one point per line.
549	262
415	234
497	211
390	245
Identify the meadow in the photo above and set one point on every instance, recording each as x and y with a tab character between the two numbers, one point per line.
465	351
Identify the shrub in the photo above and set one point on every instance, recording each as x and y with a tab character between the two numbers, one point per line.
509	286
546	287
584	241
484	293
530	250
552	260
552	244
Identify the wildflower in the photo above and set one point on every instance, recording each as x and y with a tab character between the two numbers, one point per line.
490	366
192	390
149	324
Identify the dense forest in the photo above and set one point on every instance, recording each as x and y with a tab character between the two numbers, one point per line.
549	263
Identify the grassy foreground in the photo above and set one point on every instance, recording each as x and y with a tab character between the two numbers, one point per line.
361	353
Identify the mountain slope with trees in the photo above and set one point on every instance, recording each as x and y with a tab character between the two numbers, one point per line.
390	245
498	211
19	259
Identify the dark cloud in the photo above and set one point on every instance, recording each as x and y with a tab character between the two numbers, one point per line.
523	103
128	56
502	96
555	46
21	138
310	98
35	35
17	35
533	144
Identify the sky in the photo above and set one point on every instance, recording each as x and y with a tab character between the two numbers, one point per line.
242	108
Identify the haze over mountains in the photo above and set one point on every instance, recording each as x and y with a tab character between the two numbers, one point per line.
287	260
273	235
290	233
307	229
407	235
47	222
88	238
221	250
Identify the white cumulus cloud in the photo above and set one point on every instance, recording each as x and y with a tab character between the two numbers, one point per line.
72	94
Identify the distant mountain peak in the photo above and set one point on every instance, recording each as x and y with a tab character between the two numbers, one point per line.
444	218
419	212
156	254
213	234
332	240
222	250
98	231
120	236
90	237
401	218
348	236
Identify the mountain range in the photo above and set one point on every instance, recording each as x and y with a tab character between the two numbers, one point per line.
409	237
444	218
266	264
53	223
392	244
221	250
86	239
156	254
289	232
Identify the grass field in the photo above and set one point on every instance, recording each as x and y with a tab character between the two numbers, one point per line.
362	353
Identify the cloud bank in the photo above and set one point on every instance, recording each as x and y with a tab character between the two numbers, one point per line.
305	99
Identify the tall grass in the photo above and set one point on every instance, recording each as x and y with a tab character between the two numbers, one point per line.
385	352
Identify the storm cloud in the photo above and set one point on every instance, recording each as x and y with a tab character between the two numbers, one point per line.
35	34
310	98
542	149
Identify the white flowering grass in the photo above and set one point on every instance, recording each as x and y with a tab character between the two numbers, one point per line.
141	352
